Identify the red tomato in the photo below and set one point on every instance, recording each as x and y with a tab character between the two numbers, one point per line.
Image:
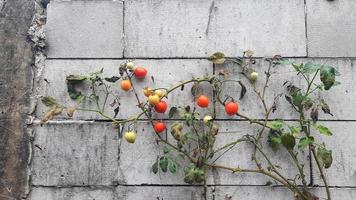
161	107
203	101
159	127
231	108
140	72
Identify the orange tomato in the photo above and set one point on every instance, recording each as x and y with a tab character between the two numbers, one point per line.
125	85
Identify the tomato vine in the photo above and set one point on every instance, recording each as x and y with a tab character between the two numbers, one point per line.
193	137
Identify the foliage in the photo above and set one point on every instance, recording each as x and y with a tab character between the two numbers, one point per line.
191	147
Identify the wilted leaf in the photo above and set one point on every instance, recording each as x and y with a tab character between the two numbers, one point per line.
172	111
325	156
55	110
288	141
217	58
314	114
305	142
75	78
112	79
194	88
116	110
176	130
49	101
243	90
249	53
73	93
70	111
307	103
155	167
325	107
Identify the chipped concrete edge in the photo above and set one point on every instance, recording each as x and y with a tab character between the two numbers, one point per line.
37	38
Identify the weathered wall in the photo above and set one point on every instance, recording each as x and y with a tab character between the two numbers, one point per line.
80	158
16	59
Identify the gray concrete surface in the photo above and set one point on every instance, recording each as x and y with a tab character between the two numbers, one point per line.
81	159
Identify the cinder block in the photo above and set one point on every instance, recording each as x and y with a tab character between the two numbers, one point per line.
331	28
159	192
199	28
85	29
75	193
342	143
75	154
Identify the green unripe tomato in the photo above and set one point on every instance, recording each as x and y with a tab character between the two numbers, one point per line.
207	119
254	76
130	65
130	136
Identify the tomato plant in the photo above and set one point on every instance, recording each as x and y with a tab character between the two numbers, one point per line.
194	135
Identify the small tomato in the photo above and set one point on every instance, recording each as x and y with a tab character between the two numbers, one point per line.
231	108
154	99
207	119
147	91
130	65
159	127
160	93
140	72
254	76
125	85
130	136
161	107
203	101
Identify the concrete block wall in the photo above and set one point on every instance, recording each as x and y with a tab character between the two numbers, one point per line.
80	158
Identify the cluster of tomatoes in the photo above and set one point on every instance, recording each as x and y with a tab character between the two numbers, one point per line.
231	108
155	96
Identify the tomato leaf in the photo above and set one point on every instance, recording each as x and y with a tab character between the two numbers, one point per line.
163	163
166	149
116	110
324	130
217	58
155	167
327	76
274	140
172	167
314	114
288	141
112	79
75	78
275	125
243	90
49	101
305	142
324	156
172	111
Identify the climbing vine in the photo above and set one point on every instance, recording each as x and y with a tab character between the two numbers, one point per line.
188	144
